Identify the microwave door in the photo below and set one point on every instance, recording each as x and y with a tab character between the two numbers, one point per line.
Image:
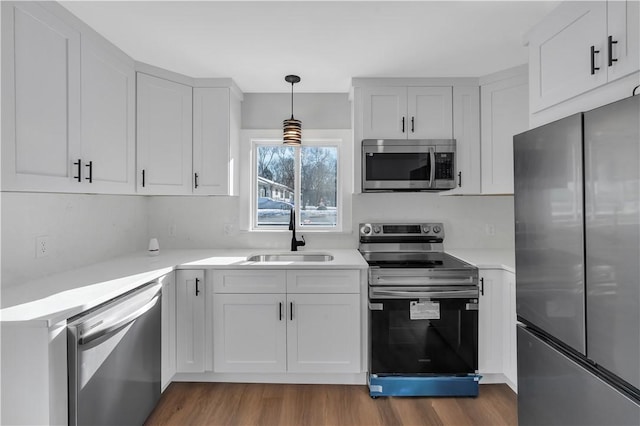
397	168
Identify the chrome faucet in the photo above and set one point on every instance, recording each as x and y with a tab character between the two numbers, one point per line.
292	227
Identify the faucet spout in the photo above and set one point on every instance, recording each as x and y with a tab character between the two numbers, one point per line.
295	243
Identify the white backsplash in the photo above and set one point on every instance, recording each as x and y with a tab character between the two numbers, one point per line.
84	229
199	222
81	229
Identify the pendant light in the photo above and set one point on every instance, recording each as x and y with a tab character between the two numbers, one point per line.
292	128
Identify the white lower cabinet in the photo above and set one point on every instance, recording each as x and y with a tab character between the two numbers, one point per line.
278	332
168	333
249	333
490	322
190	321
323	333
497	327
509	343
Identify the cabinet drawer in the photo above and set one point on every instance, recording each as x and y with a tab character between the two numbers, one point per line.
323	281
249	281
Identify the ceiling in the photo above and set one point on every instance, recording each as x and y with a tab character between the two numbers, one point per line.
326	43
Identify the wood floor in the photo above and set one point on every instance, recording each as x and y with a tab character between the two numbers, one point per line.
299	405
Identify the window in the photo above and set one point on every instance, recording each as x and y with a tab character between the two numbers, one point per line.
302	178
276	178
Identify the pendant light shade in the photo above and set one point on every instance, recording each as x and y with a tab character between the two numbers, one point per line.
292	128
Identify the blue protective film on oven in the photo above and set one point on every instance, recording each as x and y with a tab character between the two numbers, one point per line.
424	386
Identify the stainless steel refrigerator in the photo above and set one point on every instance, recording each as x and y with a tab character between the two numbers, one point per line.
577	231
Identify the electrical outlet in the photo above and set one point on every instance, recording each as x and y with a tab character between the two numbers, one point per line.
228	228
172	230
490	229
42	246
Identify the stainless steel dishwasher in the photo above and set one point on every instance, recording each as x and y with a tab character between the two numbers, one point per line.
114	360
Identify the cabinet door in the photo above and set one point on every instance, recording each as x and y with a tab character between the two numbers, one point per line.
505	113
164	129
211	135
40	100
190	321
108	120
429	113
249	333
168	361
623	25
466	132
323	333
509	344
560	53
490	322
385	113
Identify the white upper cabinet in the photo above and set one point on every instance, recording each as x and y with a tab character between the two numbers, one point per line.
429	113
398	112
40	99
108	119
385	111
216	120
164	131
504	113
466	132
580	46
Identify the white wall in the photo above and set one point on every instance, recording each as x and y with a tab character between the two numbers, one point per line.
82	229
315	110
199	222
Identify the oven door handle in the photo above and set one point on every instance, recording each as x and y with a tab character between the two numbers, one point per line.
397	294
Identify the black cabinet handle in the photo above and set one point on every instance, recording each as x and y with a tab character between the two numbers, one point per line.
459	179
611	43
481	286
79	164
291	311
280	310
143	177
593	60
413	125
195	180
402	124
197	287
90	166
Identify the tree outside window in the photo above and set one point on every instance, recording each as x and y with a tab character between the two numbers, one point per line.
305	179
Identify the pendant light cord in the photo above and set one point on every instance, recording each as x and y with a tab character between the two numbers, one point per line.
292	100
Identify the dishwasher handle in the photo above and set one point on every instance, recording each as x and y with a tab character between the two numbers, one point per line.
114	327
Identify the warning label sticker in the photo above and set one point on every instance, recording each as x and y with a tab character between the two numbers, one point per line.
424	310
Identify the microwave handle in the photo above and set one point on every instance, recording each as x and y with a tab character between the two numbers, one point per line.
432	178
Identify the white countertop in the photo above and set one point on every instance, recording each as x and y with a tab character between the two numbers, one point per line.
487	258
49	300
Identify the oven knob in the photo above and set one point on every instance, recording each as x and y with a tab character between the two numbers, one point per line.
426	229
376	229
437	229
365	230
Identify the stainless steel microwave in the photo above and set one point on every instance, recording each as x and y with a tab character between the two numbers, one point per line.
408	164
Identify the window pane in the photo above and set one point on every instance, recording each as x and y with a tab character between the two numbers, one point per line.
318	182
276	177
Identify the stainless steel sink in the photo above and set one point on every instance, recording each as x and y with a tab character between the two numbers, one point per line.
291	257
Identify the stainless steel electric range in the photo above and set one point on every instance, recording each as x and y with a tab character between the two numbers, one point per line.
423	313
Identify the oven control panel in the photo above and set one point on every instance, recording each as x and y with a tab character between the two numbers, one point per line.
429	229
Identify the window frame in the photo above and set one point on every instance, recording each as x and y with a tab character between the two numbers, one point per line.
340	139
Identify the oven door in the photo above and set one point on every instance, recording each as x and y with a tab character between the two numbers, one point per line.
425	334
